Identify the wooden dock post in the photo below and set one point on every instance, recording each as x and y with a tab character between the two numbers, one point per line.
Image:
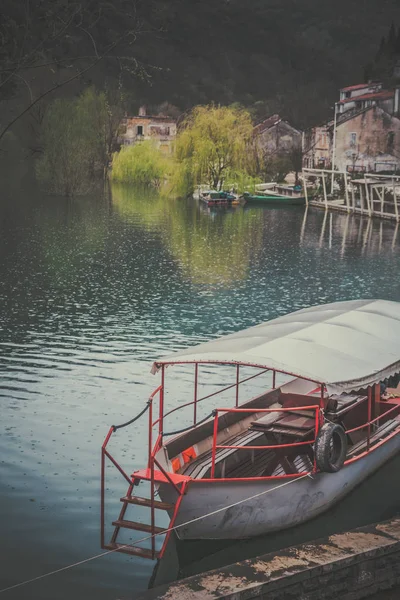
346	192
396	208
361	200
324	188
367	196
305	187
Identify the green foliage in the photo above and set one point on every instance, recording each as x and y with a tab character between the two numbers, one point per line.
275	167
73	133
77	138
142	164
213	144
180	181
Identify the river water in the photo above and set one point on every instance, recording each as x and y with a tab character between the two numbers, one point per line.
91	292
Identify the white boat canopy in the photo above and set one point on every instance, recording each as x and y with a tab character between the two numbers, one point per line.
344	345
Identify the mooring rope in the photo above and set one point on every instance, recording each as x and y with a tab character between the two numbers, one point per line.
115	427
214	512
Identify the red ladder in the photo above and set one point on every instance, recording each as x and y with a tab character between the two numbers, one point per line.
179	482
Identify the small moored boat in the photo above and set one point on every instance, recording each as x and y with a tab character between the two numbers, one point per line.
286	455
278	194
215	198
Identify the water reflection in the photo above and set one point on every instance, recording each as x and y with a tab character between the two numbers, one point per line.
91	292
352	230
212	247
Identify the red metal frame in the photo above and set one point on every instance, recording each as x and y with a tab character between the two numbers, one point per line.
234	362
237	385
369	423
180	488
196	372
374	447
105	454
229	387
216	446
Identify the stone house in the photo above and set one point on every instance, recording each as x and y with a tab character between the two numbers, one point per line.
317	147
157	128
275	136
366	132
368	141
363	95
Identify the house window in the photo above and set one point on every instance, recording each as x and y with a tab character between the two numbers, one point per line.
353	140
140	130
390	142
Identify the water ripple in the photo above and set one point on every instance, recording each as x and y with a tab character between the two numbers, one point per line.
91	294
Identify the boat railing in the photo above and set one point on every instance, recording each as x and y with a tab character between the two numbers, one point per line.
370	422
197	400
216	446
105	454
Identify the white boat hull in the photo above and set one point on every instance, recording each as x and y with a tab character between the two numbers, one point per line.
280	508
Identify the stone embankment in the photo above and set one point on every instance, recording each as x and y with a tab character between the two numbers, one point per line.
349	566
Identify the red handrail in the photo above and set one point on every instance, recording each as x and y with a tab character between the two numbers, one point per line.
267	447
289	409
373	420
210	395
216	446
105	454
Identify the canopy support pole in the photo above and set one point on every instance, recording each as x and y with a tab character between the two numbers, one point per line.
237	385
369	416
376	409
161	415
196	372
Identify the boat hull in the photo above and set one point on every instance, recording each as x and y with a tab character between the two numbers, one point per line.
296	502
266	199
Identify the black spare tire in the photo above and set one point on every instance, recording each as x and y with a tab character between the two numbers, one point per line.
330	448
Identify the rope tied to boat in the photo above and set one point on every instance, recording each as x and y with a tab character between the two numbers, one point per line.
115	427
218	510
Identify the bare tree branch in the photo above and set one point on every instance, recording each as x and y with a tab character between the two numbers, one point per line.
62	84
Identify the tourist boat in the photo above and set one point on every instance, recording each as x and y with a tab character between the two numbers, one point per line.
278	194
284	456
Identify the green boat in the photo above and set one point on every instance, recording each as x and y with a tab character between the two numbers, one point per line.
282	195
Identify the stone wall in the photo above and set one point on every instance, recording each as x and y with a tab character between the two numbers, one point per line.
368	141
349	566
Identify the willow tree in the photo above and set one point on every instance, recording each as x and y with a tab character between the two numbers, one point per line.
142	164
214	144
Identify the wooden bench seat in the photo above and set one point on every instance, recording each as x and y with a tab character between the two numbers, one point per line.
198	467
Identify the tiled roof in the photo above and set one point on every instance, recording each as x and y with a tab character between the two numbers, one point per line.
383	95
358	86
152	118
267	123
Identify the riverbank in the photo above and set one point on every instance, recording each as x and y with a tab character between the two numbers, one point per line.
353	565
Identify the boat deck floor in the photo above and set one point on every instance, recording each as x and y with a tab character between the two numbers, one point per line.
198	467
